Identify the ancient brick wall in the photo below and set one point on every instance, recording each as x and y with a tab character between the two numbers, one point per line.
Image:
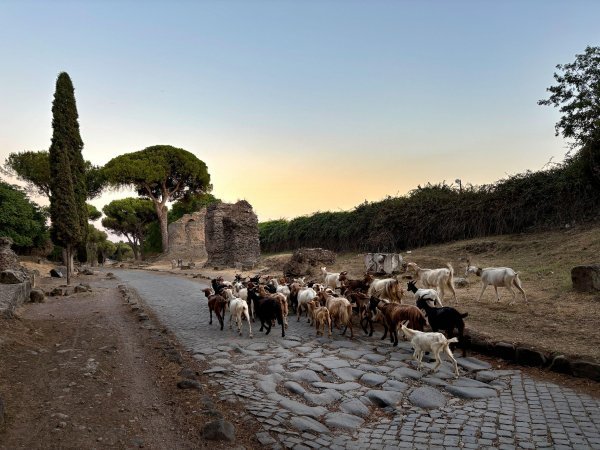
187	237
231	232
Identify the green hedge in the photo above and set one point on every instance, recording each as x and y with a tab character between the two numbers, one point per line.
440	213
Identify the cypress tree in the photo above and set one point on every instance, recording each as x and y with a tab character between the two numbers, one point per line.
68	189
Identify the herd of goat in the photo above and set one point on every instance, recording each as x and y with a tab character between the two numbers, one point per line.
336	299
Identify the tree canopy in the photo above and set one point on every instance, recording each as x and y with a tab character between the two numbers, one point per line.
34	168
68	188
190	203
161	173
577	95
130	217
20	219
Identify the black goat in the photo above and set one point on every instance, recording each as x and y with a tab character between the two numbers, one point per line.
267	310
446	319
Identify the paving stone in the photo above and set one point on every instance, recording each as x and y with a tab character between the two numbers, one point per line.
434	381
405	372
374	357
384	398
347	386
294	387
427	397
373	379
471	392
265	438
301	409
327	397
352	354
216	370
342	420
355	407
332	363
469	382
307	375
394	385
473	364
348	373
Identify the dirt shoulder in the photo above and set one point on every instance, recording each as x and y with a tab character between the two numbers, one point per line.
84	372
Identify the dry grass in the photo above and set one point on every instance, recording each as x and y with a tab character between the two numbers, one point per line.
556	319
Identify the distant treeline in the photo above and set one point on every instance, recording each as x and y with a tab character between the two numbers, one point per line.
566	193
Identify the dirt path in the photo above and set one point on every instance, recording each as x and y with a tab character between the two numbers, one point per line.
83	372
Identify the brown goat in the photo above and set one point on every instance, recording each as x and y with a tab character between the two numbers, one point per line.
340	310
217	304
322	318
312	306
355	285
361	302
391	315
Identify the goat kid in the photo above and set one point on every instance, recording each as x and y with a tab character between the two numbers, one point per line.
435	343
445	319
497	277
322	318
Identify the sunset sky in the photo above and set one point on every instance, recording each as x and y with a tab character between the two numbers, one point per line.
299	106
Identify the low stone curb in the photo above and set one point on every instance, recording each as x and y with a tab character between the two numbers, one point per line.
526	356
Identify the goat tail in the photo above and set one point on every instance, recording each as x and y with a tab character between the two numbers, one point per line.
453	340
464	315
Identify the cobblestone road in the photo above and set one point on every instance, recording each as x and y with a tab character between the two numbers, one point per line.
310	392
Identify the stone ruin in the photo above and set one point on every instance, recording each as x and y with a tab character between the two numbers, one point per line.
308	262
387	263
15	281
187	238
231	235
8	258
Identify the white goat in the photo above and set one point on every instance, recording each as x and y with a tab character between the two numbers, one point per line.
435	343
237	307
497	277
331	279
388	289
430	295
438	279
305	295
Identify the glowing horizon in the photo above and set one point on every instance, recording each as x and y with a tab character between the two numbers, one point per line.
299	107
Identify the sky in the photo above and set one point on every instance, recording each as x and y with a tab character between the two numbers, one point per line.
298	106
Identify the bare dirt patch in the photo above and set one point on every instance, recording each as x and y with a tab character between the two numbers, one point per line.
83	372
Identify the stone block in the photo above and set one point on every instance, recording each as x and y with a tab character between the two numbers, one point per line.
219	430
586	369
56	273
529	357
12	296
561	364
12	277
504	350
37	296
586	278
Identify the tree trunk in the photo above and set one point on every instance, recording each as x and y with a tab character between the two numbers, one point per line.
161	212
141	241
69	260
